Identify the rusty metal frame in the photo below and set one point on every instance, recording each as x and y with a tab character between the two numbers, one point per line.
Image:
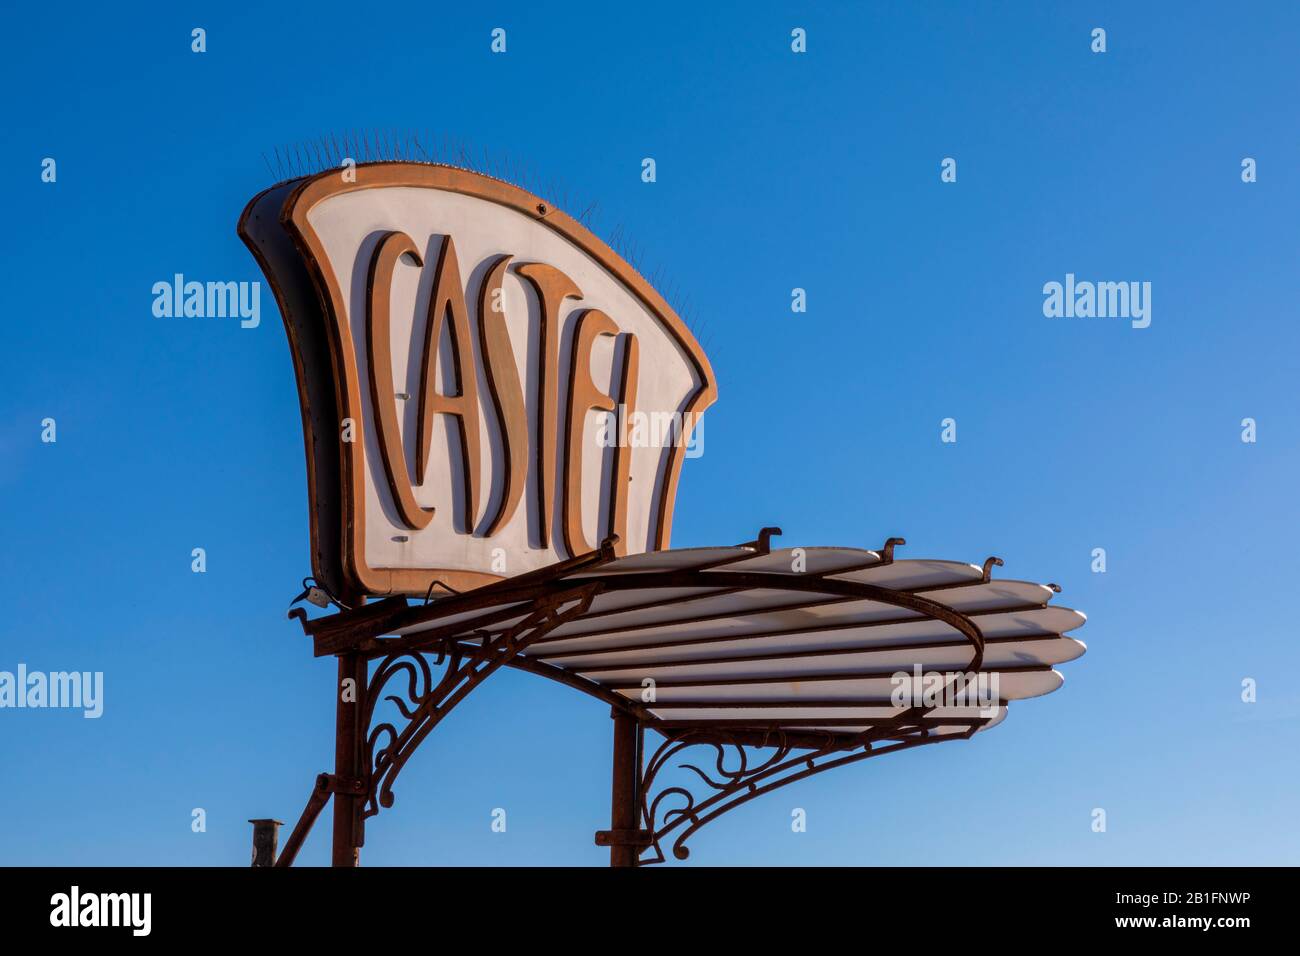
788	762
368	761
425	703
492	626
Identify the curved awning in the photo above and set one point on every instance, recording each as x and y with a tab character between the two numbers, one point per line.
820	645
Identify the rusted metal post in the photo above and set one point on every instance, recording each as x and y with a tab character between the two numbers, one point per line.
347	756
623	796
266	837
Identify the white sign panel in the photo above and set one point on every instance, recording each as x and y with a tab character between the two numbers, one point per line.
508	392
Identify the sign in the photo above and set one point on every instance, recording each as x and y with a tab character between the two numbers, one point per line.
486	387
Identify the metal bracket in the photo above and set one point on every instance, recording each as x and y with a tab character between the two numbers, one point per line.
355	786
641	838
763	543
667	808
423	701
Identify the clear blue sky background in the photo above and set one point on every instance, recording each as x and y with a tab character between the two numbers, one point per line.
774	171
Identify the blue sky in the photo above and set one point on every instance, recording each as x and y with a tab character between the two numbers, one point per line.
775	171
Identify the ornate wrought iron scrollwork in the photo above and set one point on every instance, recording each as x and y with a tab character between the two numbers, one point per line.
424	702
676	807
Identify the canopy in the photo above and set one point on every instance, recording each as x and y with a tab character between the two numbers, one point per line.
806	642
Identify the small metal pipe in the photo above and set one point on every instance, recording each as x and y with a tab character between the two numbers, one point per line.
266	837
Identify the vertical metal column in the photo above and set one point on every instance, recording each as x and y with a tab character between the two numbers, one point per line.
347	757
623	795
266	837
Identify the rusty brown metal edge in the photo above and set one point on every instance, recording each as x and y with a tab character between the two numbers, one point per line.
357	628
300	378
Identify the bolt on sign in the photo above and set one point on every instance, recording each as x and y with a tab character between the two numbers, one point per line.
475	369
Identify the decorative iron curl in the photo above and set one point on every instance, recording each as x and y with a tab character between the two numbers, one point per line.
732	787
734	776
419	707
423	703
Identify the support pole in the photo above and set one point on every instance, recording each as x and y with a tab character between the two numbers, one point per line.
347	757
623	796
320	795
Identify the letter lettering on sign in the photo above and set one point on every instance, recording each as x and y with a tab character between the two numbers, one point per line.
379	351
506	392
448	299
552	287
627	380
369	272
584	396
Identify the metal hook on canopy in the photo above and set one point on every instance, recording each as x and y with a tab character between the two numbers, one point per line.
763	543
607	546
887	552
